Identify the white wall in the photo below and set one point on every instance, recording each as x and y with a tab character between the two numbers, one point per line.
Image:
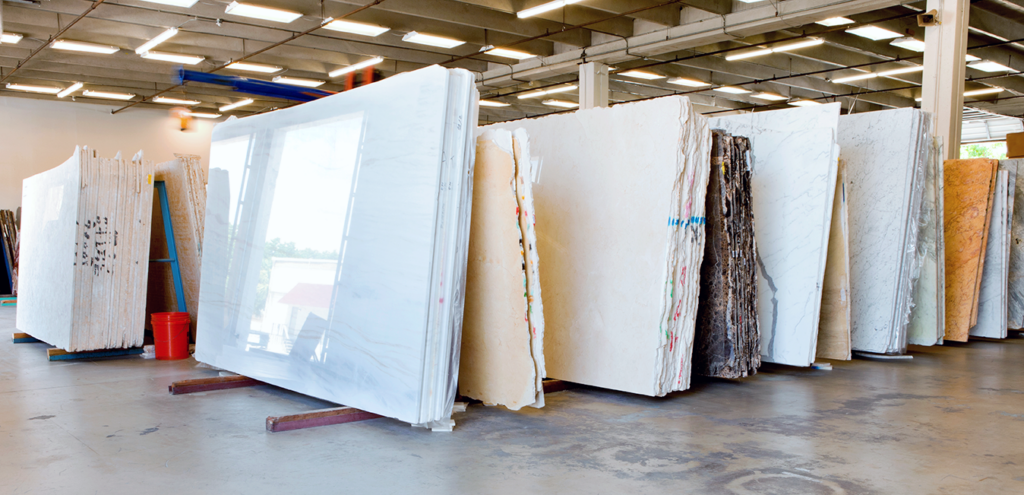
37	135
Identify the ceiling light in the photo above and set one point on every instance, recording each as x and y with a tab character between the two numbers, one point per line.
265	13
504	52
108	95
151	44
10	38
542	92
858	77
79	46
175	101
431	40
901	70
246	66
50	90
769	97
228	108
972	58
804	103
986	91
753	53
353	27
354	67
685	81
70	89
986	66
639	74
560	103
835	21
873	33
174	57
177	3
732	90
547	7
909	43
298	81
203	115
797	45
492	103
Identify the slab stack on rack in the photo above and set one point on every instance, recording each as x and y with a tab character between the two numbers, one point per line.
334	252
1015	282
928	317
84	253
8	253
886	154
503	330
186	194
794	159
992	298
726	341
969	192
834	324
620	212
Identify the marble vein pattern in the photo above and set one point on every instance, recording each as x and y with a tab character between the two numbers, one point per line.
885	153
619	194
969	192
834	324
928	317
794	158
1015	283
335	245
992	299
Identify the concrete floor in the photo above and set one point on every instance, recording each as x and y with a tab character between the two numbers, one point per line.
949	421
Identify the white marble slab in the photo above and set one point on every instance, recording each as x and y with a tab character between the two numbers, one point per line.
794	158
335	245
1015	284
992	299
928	316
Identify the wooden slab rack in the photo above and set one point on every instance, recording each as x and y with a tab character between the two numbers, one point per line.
55	354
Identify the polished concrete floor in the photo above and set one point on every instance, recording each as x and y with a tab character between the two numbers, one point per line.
949	421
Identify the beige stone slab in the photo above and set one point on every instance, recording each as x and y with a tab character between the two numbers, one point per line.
834	324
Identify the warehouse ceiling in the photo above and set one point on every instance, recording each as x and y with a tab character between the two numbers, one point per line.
692	39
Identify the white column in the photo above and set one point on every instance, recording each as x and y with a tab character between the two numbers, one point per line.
593	85
944	70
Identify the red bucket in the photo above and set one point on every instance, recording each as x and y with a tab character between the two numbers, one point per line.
170	334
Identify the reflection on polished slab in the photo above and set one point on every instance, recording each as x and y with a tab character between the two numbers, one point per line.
335	245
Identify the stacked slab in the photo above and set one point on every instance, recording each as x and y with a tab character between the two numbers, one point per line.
928	317
503	326
335	243
993	298
886	155
620	215
834	324
794	163
726	341
84	253
1015	283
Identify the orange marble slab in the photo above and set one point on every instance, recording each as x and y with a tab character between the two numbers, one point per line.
969	188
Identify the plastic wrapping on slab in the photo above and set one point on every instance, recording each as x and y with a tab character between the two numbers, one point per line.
334	251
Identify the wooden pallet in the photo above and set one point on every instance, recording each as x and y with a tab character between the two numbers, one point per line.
55	354
23	338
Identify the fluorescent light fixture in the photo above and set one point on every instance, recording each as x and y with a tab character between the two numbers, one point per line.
873	33
798	45
228	108
858	77
108	95
732	90
246	66
151	44
560	103
901	70
547	7
175	101
353	27
685	81
985	91
173	57
769	97
835	21
492	103
972	58
10	38
80	46
909	43
298	81
265	13
50	90
542	92
504	52
986	66
804	103
431	40
177	3
70	89
639	74
201	115
354	67
752	53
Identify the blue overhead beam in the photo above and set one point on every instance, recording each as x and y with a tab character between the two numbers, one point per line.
254	86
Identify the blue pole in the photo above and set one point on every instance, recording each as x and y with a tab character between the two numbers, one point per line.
172	250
